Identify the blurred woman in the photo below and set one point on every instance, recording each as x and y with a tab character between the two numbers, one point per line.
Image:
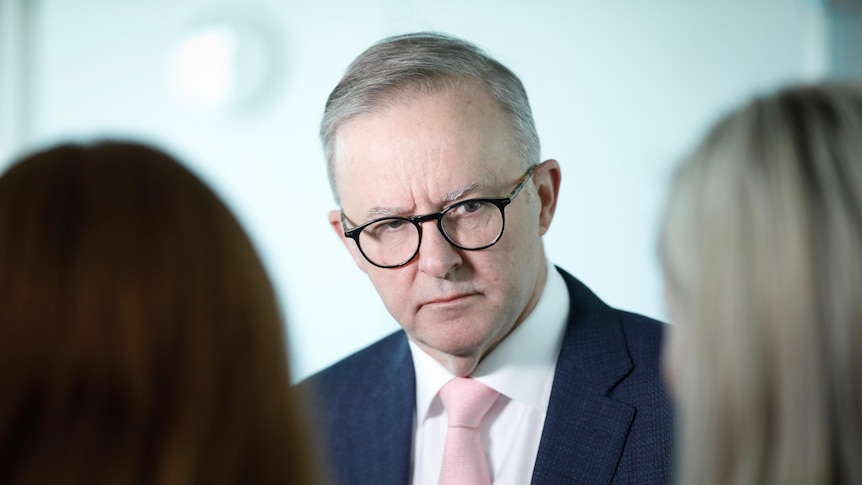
140	338
762	253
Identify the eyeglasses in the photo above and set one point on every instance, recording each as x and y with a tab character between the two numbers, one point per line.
474	224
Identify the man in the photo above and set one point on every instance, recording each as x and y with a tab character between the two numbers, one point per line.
433	158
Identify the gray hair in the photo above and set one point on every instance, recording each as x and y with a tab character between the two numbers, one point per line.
397	67
762	251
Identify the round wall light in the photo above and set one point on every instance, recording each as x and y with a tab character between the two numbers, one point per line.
221	64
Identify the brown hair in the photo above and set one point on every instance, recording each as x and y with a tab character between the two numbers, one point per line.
762	251
141	341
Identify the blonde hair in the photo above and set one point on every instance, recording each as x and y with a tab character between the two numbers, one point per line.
762	251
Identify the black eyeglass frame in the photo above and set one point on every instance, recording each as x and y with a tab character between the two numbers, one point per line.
417	221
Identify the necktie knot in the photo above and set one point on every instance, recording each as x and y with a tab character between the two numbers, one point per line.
466	401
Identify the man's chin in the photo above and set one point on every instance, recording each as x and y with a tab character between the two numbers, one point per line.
455	347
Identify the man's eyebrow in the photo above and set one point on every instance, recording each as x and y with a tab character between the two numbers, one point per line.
378	212
448	198
460	192
485	181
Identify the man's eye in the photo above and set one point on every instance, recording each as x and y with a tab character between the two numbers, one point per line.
467	207
387	226
394	224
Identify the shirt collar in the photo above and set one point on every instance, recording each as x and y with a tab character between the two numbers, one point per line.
522	363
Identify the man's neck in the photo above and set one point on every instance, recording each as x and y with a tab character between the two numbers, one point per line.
457	365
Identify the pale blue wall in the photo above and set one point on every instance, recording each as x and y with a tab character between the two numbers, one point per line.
619	91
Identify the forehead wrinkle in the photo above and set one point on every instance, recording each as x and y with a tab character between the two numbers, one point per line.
378	211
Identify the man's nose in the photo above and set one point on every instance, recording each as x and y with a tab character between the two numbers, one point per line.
437	256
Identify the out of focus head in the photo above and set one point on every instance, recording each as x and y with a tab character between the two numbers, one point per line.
141	340
762	252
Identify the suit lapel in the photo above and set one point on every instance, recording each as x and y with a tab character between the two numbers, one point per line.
385	430
585	430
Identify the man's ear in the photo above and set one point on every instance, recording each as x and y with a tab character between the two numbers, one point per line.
350	244
547	180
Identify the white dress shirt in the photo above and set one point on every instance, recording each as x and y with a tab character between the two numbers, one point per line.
521	369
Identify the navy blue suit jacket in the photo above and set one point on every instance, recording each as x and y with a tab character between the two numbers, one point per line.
609	419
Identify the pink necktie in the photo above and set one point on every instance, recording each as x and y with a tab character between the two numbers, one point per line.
466	402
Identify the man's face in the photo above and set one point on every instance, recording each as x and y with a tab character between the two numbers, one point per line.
419	157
